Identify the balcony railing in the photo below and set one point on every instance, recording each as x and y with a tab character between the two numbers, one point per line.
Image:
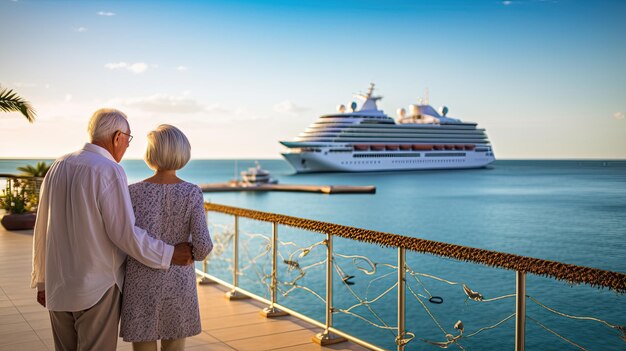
301	256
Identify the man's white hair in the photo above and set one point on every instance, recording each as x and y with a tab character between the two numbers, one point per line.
105	122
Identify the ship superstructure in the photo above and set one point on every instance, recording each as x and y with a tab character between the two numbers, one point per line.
366	139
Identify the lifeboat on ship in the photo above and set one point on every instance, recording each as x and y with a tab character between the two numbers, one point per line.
449	147
438	147
405	147
422	147
459	147
391	147
377	147
361	147
469	146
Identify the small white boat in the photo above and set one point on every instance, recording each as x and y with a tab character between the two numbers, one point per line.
257	176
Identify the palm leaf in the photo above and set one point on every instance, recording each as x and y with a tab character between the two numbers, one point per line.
39	170
11	102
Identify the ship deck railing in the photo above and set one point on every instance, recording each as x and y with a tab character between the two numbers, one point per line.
268	256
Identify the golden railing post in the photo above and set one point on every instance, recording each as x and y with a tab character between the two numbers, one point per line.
520	310
272	311
400	341
325	337
234	294
205	280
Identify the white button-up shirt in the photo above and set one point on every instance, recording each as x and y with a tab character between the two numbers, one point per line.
85	227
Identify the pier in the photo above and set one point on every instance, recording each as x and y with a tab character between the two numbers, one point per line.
324	189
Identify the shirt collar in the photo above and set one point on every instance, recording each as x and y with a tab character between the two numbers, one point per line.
99	150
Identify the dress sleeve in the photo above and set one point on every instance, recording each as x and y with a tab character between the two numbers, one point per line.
119	221
200	238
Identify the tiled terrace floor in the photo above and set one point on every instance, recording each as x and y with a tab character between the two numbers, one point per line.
226	325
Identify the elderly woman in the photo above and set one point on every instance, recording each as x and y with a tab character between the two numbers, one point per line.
157	304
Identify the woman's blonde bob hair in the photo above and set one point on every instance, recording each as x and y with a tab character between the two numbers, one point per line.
168	148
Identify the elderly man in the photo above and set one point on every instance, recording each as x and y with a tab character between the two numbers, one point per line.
85	227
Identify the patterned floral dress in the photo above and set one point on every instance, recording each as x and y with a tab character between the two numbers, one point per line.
163	304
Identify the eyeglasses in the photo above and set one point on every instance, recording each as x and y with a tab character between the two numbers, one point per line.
130	137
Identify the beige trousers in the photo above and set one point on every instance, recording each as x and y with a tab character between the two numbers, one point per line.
166	345
92	329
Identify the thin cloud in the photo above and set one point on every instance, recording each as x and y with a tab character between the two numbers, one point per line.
164	103
507	3
137	68
116	65
25	85
182	68
31	85
80	29
106	14
68	97
182	104
289	108
619	116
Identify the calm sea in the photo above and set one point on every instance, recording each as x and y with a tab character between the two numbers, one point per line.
568	211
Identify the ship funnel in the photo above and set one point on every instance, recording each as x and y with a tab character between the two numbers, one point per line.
443	110
415	110
341	108
401	112
353	106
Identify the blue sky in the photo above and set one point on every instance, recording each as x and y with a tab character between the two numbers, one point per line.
545	78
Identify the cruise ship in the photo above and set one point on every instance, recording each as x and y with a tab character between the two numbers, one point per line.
365	139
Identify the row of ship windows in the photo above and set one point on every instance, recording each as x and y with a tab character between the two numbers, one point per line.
402	161
387	155
395	154
439	154
446	154
428	161
359	162
356	116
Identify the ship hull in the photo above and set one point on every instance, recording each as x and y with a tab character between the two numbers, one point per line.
324	161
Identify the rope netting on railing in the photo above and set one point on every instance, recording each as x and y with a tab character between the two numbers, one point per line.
572	274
